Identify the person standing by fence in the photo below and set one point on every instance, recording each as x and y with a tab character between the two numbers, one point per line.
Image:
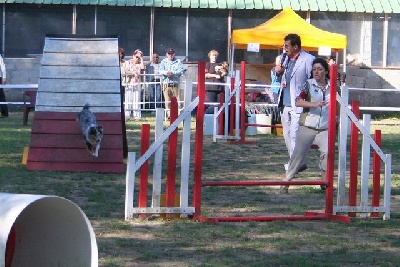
4	107
133	69
152	76
171	68
213	75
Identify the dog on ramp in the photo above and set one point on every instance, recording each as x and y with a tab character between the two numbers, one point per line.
91	131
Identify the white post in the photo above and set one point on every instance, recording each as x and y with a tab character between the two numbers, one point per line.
237	91
130	185
387	188
343	129
158	157
227	99
215	123
365	162
185	155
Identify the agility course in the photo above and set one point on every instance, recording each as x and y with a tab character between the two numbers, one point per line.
165	242
330	211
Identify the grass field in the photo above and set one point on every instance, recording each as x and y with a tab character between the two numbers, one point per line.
148	242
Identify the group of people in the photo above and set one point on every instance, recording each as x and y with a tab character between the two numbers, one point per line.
165	73
303	93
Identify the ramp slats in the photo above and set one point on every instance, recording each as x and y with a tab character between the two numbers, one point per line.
79	72
70	85
57	100
80	45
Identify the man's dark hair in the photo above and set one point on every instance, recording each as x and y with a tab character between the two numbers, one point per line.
294	39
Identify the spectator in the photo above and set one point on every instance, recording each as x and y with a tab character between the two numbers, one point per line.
121	53
3	107
276	79
295	70
314	98
133	69
213	74
171	68
152	75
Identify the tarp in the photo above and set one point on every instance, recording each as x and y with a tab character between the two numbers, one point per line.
271	33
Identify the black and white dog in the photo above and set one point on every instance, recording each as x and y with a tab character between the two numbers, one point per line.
91	131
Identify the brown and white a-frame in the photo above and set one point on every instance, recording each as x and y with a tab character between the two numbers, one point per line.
75	71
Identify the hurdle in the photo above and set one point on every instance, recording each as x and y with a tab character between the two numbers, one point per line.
339	212
331	212
228	111
233	109
368	142
328	212
156	148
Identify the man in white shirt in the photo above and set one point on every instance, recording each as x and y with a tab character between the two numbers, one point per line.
171	68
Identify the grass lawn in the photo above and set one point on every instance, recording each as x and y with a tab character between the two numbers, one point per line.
154	242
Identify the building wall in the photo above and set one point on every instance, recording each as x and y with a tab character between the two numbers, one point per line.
27	70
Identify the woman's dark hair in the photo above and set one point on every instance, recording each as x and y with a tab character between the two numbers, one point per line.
121	51
324	64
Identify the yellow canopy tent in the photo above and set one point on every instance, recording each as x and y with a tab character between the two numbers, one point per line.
270	34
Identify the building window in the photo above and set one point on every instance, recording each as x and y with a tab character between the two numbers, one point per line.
131	24
377	40
170	31
342	23
393	57
27	26
207	30
85	20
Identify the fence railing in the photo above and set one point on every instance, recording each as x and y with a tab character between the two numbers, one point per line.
23	87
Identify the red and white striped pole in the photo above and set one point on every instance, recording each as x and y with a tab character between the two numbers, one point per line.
353	180
198	151
331	140
376	174
144	170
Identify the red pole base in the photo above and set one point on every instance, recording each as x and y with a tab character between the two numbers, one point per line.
235	142
308	216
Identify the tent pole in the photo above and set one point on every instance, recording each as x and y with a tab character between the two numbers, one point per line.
344	60
231	69
229	33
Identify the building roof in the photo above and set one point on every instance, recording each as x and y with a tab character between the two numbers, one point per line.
367	6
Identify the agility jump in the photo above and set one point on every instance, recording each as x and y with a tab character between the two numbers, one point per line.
233	109
331	212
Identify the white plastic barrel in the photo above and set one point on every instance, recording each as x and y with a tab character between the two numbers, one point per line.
264	120
44	231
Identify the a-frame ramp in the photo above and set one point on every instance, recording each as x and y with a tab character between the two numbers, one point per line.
75	71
